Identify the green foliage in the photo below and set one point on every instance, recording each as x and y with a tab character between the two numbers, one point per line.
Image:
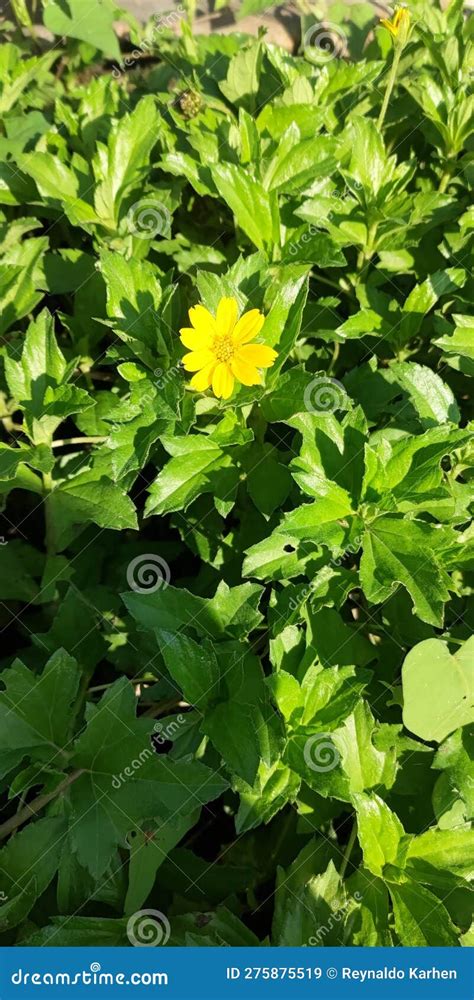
237	683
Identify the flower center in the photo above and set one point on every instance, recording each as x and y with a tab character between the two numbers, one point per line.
223	348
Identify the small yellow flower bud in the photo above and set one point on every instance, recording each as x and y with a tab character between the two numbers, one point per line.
399	26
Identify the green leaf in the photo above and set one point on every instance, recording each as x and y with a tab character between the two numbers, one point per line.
438	694
409	557
314	248
134	296
197	466
130	143
124	781
255	210
453	794
421	919
274	787
240	735
35	712
192	665
87	20
452	850
86	498
243	76
307	914
433	400
28	864
296	163
233	611
379	831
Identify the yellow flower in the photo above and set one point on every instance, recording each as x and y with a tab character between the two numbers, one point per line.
220	351
399	25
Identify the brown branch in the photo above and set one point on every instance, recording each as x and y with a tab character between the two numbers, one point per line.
34	807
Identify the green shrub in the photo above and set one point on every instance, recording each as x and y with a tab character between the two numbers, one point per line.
241	611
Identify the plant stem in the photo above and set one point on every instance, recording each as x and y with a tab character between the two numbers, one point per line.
366	253
34	807
445	179
390	82
98	439
335	355
348	850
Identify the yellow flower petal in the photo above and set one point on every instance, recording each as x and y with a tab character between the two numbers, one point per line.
226	316
222	381
389	26
203	379
258	355
193	340
201	319
247	374
248	327
196	360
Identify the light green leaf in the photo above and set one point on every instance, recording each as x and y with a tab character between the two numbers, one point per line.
255	210
421	919
379	831
88	20
438	695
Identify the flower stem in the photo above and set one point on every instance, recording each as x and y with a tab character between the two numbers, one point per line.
390	82
348	850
